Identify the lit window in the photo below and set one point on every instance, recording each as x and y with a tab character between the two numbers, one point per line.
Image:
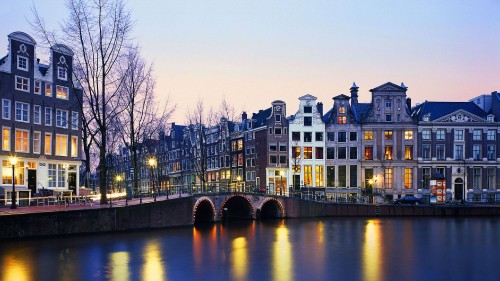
408	134
408	177
307	175
388	152
342	110
368	135
48	144
341	120
48	89
22	84
368	153
37	142
307	152
38	87
409	152
388	174
22	63
62	73
62	92
6	139
61	145
6	109
319	175
61	118
22	112
22	141
296	152
7	172
388	135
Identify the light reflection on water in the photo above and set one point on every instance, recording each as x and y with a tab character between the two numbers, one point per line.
325	249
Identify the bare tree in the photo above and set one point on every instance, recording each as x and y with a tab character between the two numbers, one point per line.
142	116
97	31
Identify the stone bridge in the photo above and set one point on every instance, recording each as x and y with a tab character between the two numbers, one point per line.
217	207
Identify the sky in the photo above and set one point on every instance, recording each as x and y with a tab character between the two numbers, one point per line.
253	52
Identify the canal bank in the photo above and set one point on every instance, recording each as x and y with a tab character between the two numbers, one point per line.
182	212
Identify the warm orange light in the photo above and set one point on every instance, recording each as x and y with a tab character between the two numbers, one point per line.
13	160
152	162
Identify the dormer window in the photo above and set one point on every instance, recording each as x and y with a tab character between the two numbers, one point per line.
62	73
342	110
22	63
307	109
490	118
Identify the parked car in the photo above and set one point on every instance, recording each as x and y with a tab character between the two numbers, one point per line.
409	200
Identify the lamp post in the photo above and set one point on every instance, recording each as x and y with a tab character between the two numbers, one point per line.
152	165
281	182
13	162
118	180
238	179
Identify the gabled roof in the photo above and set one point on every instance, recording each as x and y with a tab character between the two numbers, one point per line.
389	87
261	117
341	97
308	97
440	109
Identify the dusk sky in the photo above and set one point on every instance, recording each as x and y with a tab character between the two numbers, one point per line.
254	52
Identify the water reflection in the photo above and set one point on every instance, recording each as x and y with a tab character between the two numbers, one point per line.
282	255
153	268
15	269
372	251
119	264
239	259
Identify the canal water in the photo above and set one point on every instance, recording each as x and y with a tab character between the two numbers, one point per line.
367	249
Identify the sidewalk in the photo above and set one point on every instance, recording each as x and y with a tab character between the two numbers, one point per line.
77	206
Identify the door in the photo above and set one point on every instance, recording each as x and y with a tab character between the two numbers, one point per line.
72	182
296	182
459	189
32	181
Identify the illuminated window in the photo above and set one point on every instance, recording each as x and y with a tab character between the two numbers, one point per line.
388	174
368	153
296	152
388	152
388	135
408	134
61	145
368	135
48	89
341	120
307	175
48	144
319	175
342	110
38	87
22	140
7	172
408	177
37	142
62	92
6	139
409	152
307	152
74	146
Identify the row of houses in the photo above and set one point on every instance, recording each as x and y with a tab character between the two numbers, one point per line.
380	150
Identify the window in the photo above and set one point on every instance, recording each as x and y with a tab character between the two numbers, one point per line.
48	116
22	112
440	134
408	178
22	140
273	159
459	135
22	84
342	109
22	63
426	134
307	175
61	145
388	135
388	173
62	92
319	153
342	152
476	152
343	176
388	118
409	152
48	89
296	136
388	103
296	152
330	153
48	144
476	135
270	131
37	114
368	135
353	153
353	176
368	153
38	87
307	109
61	118
342	136
7	172
330	176
476	178
408	134
353	136
37	142
283	159
426	151
490	179
491	135
319	176
307	152
459	152
282	147
273	147
341	120
6	109
440	152
62	73
307	137
57	176
319	136
330	136
491	152
426	177
277	130
74	120
6	139
388	152
307	121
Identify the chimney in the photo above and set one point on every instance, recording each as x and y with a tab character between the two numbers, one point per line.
319	106
408	103
37	60
244	116
354	94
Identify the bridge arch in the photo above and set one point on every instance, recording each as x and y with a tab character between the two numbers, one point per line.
204	210
238	206
271	208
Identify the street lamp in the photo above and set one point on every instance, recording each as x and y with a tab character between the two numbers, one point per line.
238	179
118	180
281	182
13	162
152	165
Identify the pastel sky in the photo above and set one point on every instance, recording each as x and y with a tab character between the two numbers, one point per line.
254	52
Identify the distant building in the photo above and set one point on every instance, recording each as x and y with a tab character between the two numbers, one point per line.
40	121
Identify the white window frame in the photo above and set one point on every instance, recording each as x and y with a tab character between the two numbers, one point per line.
476	134
23	79
49	86
8	111
74	148
49	150
24	110
440	134
9	144
24	141
37	114
48	121
57	145
37	142
64	89
64	70
39	83
27	62
61	118
491	135
74	120
459	135
426	134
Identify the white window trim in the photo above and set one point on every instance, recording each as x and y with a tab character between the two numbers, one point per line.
15	112
27	63
10	109
65	78
73	125
40	88
76	148
45	89
67	92
45	144
58	125
39	140
27	141
55	139
45	116
10	138
35	106
23	90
